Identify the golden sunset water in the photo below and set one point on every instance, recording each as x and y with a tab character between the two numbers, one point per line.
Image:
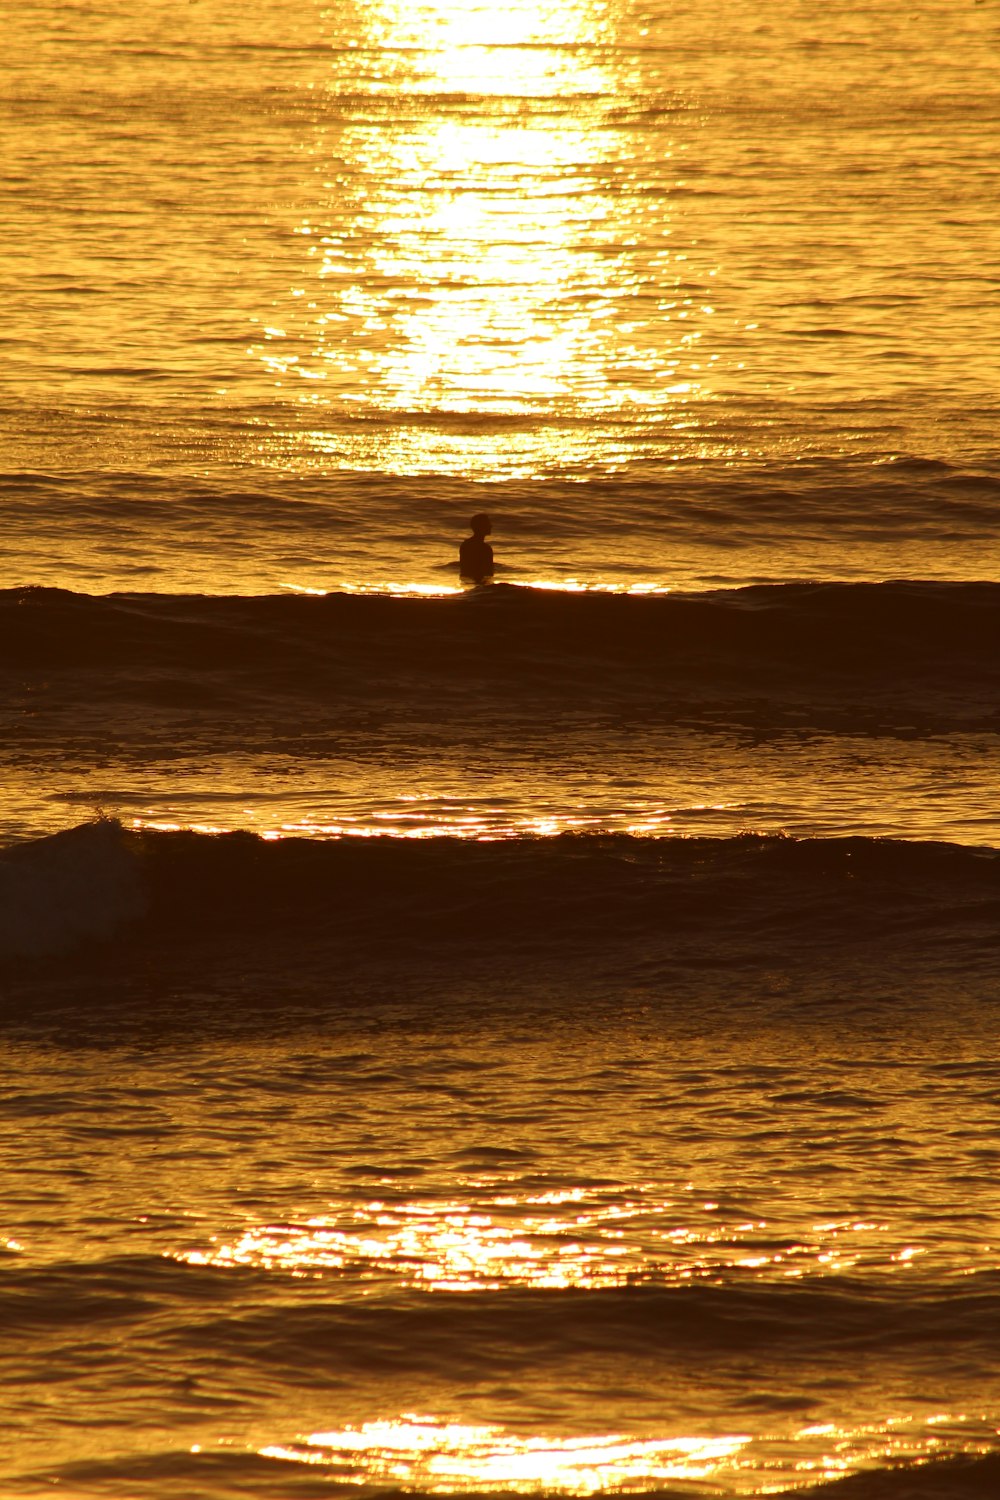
537	1038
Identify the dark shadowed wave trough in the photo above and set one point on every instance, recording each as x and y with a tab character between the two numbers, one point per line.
640	908
861	656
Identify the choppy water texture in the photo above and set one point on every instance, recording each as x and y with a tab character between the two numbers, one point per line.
623	1118
563	1164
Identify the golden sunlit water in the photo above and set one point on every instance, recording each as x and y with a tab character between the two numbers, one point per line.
324	1215
669	783
504	263
557	1239
538	1038
441	1458
680	301
553	239
437	1457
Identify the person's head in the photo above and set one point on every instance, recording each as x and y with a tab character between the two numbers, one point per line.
481	525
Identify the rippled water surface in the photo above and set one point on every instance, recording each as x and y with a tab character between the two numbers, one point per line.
368	1257
560	238
625	1119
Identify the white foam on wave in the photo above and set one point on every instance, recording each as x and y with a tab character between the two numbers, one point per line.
60	891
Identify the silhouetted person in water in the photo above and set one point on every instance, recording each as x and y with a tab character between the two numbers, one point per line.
475	556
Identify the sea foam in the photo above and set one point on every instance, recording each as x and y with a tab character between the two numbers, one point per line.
58	892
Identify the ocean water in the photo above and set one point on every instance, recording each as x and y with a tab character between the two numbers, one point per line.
533	1039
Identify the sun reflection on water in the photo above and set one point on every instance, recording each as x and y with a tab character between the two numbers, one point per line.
439	1457
447	590
485	248
434	1455
410	819
573	1238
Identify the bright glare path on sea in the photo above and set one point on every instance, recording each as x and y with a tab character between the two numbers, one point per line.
475	242
509	258
440	1457
555	1239
532	1217
533	245
499	1236
601	781
434	1456
542	243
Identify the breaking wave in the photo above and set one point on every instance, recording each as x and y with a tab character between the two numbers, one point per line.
574	893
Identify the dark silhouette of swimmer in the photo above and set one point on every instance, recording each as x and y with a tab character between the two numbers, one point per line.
475	556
